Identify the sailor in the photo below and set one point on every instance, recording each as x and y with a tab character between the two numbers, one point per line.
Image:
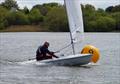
43	53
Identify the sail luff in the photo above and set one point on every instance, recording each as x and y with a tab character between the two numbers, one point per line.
75	19
73	48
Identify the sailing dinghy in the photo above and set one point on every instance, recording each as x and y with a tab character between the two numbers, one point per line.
89	53
75	19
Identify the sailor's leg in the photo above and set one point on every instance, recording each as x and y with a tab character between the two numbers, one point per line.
38	58
48	57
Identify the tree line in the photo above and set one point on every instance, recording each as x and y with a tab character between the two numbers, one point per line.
52	16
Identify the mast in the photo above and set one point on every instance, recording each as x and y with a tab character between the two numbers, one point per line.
73	47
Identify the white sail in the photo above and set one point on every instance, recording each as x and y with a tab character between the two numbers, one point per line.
74	13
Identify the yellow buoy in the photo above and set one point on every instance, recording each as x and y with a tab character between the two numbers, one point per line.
89	49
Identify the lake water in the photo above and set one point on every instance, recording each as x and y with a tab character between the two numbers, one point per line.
17	48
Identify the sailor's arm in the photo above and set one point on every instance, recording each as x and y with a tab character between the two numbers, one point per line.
52	53
55	56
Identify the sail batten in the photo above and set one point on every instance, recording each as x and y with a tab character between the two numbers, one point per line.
74	13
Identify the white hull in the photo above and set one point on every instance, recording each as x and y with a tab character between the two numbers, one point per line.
79	59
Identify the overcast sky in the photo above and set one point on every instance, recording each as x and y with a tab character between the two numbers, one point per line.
97	3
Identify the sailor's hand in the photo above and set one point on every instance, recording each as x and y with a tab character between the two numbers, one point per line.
52	53
57	57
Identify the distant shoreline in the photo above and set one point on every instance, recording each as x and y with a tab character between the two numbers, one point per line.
24	28
35	28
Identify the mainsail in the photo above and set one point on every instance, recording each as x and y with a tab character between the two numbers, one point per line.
74	13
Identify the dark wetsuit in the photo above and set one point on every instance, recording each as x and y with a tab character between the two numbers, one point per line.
42	52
